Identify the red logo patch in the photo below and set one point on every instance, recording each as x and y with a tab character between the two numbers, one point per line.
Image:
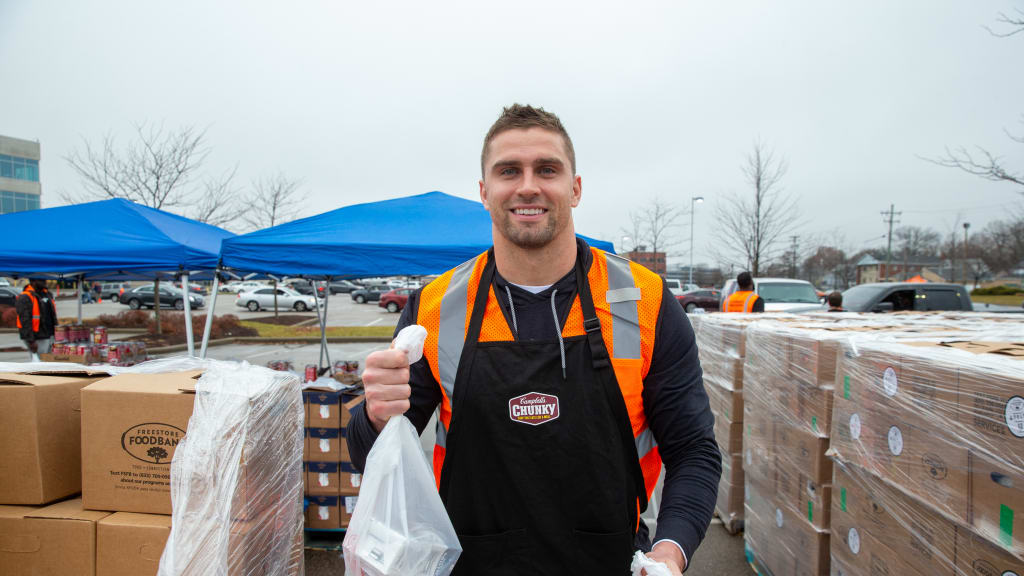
533	408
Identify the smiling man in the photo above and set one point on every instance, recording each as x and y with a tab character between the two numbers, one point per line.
564	377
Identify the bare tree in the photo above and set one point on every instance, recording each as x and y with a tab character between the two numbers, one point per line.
155	170
982	163
275	201
1014	22
635	231
751	225
660	221
219	203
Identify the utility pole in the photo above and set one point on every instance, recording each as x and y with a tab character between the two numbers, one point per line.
793	248
890	218
966	226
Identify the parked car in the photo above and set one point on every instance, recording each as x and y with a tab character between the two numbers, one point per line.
113	290
5	282
677	286
781	294
243	286
395	300
369	294
395	283
170	297
899	296
286	298
8	296
343	286
305	287
707	299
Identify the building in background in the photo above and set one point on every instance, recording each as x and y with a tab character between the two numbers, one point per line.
654	261
19	175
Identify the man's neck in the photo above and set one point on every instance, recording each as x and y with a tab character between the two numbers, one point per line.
538	266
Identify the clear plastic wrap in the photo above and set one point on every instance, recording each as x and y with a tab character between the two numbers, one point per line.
929	436
236	477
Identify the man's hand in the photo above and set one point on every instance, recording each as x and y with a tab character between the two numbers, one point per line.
669	554
33	346
386	384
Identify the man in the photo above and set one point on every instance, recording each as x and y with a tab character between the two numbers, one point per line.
835	302
744	299
562	385
37	316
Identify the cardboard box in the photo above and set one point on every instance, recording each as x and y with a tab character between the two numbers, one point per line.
729	436
41	436
130	544
332	478
729	505
977	555
131	425
997	501
326	445
780	540
56	539
329	512
991	407
804	452
726	403
82	359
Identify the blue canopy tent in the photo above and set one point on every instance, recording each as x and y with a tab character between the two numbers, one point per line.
113	239
410	236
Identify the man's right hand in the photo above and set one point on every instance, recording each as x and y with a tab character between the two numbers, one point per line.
386	383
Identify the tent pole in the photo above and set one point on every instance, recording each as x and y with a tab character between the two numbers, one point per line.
209	314
322	320
189	338
81	278
323	331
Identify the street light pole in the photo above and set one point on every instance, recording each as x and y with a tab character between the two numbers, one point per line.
966	226
694	200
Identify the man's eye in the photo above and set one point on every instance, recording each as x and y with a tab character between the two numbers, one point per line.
546	170
508	171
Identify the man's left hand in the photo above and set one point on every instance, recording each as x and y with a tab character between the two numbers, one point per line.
668	554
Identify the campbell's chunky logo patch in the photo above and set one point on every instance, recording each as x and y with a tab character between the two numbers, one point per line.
533	408
152	442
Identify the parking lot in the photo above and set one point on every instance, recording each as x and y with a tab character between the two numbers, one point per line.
341	310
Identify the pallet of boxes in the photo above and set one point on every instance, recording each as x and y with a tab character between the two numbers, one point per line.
89	464
928	441
331	482
721	346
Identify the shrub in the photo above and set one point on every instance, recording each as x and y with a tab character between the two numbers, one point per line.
226	326
123	319
8	317
1002	290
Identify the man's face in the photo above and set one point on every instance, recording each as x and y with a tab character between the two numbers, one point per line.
38	284
529	186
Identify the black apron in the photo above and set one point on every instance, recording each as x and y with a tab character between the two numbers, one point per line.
541	474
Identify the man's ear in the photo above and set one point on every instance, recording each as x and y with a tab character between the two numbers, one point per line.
577	190
483	194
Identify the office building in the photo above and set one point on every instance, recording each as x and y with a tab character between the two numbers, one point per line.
19	175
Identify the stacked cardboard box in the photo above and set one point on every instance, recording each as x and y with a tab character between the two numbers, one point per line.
331	482
929	462
789	371
721	345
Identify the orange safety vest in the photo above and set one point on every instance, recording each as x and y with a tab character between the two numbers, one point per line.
742	301
627	300
31	292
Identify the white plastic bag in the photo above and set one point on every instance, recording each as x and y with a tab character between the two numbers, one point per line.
400	526
641	562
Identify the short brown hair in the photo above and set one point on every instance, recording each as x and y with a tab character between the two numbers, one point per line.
835	299
518	116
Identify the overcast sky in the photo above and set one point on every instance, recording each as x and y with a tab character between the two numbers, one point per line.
373	100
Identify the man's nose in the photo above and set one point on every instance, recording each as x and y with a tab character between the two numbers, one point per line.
528	184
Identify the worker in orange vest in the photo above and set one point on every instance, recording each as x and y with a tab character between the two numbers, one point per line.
37	316
744	299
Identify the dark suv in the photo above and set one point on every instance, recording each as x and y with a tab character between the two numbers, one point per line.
900	296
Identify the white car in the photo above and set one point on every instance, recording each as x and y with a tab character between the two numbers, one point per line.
781	294
244	286
677	286
263	299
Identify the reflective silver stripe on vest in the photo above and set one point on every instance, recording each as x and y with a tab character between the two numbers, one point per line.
452	330
442	435
645	443
625	316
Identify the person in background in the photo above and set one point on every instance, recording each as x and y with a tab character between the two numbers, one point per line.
835	302
744	299
37	317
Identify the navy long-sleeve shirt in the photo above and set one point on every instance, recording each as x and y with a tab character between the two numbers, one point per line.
674	399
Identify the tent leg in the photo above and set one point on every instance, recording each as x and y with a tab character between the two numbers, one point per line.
81	280
323	331
189	338
209	314
321	320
